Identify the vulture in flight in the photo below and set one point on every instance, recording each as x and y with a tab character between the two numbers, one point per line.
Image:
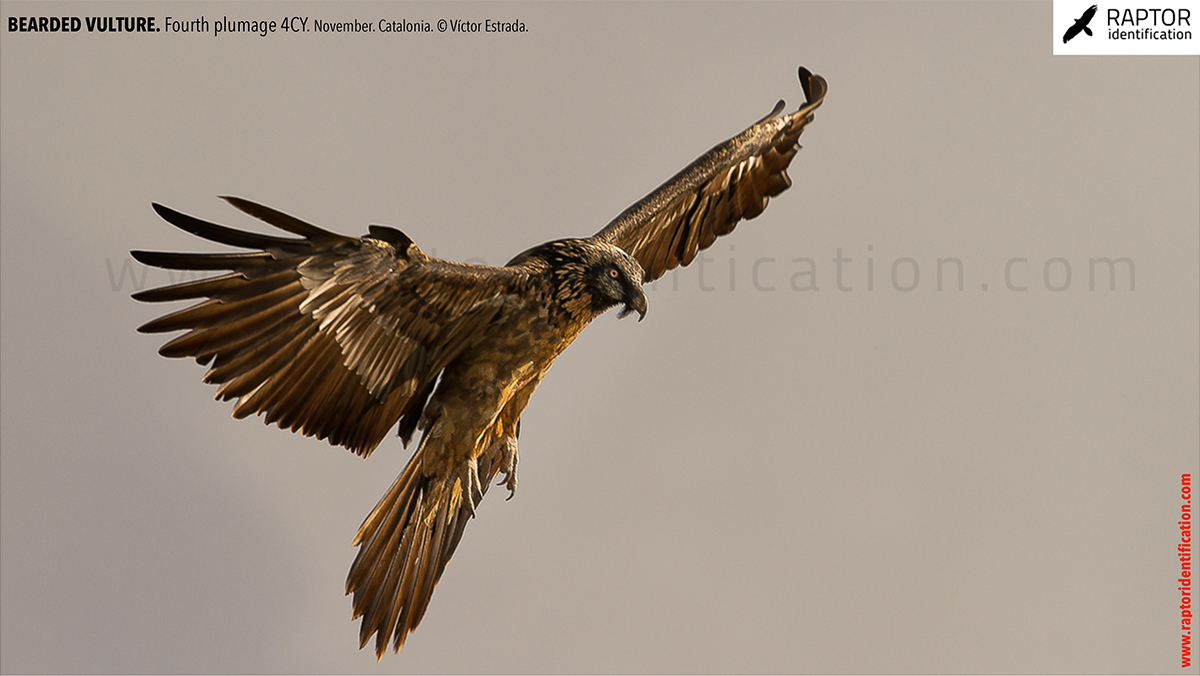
344	338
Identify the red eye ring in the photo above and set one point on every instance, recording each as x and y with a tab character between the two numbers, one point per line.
613	272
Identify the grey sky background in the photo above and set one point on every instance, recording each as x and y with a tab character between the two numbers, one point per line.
753	479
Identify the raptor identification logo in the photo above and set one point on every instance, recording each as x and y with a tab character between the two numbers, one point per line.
1126	27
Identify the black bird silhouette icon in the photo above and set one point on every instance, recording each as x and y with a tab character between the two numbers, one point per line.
1081	24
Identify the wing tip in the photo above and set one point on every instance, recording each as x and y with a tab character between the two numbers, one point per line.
241	204
779	106
166	213
813	85
806	83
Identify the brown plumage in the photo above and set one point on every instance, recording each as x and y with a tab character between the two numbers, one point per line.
343	338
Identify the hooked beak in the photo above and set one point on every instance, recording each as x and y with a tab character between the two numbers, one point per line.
635	302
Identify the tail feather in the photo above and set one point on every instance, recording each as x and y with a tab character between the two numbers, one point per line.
404	545
406	541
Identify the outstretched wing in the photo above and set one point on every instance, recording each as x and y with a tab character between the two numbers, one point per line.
335	337
668	227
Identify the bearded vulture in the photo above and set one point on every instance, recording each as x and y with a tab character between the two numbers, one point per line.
343	338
